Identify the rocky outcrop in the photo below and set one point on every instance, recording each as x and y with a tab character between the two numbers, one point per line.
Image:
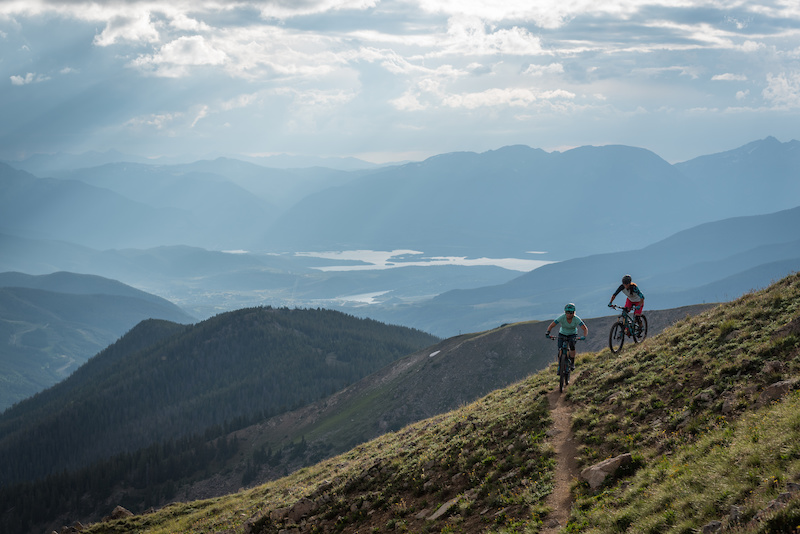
775	392
595	475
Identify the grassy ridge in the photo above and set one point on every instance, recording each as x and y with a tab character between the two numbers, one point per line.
694	405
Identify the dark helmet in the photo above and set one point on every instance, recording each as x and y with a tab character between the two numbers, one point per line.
626	279
569	307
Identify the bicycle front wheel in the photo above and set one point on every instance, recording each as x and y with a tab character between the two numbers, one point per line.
616	338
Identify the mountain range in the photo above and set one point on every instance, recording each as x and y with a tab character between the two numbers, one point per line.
583	201
622	202
505	201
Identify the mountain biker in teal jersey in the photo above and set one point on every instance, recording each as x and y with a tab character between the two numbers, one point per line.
635	297
568	330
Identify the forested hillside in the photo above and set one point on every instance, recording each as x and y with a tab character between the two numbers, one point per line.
230	370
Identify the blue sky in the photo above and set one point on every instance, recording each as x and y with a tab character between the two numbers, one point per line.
395	80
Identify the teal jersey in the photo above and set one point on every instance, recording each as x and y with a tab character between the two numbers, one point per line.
568	329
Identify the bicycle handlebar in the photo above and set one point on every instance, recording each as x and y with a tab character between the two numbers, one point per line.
627	309
582	338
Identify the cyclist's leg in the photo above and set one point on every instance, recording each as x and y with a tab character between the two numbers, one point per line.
572	351
637	315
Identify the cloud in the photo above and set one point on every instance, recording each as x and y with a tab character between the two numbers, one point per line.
175	57
200	115
28	79
241	101
159	121
303	65
783	90
283	9
469	36
409	101
136	28
541	70
514	97
728	77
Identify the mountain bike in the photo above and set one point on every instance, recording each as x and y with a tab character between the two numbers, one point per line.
565	363
627	325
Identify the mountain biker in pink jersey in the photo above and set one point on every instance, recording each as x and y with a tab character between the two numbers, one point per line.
568	330
635	297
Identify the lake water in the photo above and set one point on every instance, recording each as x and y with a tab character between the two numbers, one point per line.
383	259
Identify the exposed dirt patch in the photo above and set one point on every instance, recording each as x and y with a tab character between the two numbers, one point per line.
563	442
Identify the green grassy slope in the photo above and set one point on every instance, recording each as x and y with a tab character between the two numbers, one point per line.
712	437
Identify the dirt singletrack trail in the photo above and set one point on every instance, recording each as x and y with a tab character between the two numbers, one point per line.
563	441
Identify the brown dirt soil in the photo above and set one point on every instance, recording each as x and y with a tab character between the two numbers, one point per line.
563	442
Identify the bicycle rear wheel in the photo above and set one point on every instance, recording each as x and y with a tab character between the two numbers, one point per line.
640	330
616	338
563	370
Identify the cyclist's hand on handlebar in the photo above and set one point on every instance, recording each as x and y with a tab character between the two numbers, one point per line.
610	305
582	338
547	334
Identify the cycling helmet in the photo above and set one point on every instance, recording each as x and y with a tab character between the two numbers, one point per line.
569	307
626	279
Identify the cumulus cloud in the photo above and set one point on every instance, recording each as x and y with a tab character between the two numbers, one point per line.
136	28
783	90
469	36
175	57
541	70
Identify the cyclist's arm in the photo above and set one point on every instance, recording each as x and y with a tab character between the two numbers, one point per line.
620	288
552	325
585	330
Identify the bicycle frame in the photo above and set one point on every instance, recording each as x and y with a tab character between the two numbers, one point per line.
626	326
564	361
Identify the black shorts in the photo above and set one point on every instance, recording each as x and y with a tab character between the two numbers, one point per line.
569	340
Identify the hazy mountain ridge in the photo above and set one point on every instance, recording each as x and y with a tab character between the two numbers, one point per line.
74	211
489	203
52	324
712	262
690	406
486	203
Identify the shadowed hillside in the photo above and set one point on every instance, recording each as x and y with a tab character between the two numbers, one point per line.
708	411
157	384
